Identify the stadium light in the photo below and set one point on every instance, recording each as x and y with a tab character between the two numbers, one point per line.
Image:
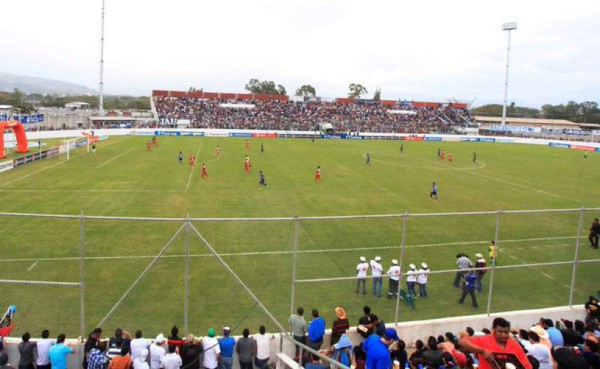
507	27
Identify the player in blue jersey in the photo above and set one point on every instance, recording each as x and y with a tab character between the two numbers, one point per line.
434	191
262	182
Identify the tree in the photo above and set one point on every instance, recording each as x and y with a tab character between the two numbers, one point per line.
306	90
356	90
194	89
265	87
377	95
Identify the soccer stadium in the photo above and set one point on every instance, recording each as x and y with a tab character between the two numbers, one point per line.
355	232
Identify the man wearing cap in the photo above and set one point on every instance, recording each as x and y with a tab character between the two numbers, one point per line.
212	351
376	272
480	266
361	275
411	279
499	342
394	275
377	349
226	344
157	351
422	279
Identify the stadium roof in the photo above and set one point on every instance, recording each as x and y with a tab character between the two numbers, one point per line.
527	121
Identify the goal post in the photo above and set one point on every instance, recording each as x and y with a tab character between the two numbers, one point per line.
75	143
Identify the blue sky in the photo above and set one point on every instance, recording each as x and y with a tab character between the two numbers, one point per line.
421	50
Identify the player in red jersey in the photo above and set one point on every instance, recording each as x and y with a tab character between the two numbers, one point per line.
148	146
154	141
218	151
192	161
204	172
247	145
449	157
318	174
442	157
247	165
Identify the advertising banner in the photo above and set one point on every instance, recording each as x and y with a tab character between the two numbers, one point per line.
433	139
6	165
264	135
559	144
240	134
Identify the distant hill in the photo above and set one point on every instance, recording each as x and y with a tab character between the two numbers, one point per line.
28	85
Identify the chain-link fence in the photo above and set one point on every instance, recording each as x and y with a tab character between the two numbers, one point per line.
72	273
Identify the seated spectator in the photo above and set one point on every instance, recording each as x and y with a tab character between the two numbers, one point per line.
447	361
416	358
539	351
542	334
591	353
569	334
566	358
398	353
360	357
316	363
432	355
342	351
554	334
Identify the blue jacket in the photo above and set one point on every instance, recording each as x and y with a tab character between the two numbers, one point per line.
378	355
316	329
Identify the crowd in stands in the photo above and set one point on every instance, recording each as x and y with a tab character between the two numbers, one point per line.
545	344
304	116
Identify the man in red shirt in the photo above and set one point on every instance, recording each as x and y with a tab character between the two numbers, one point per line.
318	174
218	150
204	172
192	161
496	347
148	145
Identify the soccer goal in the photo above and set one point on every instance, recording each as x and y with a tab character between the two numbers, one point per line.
75	143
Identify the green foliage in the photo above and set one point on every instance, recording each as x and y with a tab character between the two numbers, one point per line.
377	95
306	90
495	110
265	87
585	112
356	90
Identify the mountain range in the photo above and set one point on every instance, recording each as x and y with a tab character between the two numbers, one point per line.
29	85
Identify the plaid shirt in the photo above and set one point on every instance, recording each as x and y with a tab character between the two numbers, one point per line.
96	359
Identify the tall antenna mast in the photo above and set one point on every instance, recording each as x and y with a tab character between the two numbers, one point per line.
101	103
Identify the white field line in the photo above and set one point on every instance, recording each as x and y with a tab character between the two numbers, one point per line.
192	170
116	157
314	251
33	265
109	190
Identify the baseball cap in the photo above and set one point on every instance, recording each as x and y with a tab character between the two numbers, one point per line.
160	338
391	334
394	261
412	266
211	332
424	265
226	330
478	255
363	259
377	258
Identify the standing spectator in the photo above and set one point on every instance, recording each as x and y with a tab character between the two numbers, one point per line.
554	334
90	343
190	353
58	353
366	323
361	275
469	289
226	344
246	349
157	351
416	358
463	263
140	361
122	361
498	341
422	279
411	279
594	233
212	351
480	265
316	331
26	351
376	272
43	345
138	344
298	324
340	325
172	360
493	252
115	349
394	275
119	334
377	348
539	351
263	346
97	359
174	338
592	308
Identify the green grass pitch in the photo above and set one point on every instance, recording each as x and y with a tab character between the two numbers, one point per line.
122	179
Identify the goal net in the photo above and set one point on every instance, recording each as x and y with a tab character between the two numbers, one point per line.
73	144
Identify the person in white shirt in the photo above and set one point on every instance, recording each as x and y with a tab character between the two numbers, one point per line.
43	345
263	345
138	344
377	272
361	275
140	361
422	279
539	351
172	360
394	275
411	279
157	351
212	351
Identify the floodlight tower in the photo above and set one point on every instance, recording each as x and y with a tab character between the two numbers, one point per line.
507	27
101	102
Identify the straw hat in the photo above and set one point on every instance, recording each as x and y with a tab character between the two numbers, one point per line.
340	312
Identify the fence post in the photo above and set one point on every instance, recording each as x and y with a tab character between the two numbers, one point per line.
490	292
187	275
576	260
294	264
81	277
404	221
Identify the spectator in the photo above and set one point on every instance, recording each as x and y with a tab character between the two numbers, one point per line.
316	331
26	348
366	323
342	351
172	360
592	309
432	355
416	358
566	358
43	345
377	349
226	344
398	352
360	357
138	344
542	334
498	342
190	353
212	351
463	263
298	325
340	325
122	361
316	363
246	349
115	349
97	359
90	343
591	353
157	351
539	351
174	338
140	361
263	346
58	353
4	360
554	334
120	334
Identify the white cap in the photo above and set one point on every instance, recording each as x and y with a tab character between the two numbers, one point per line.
412	266
377	258
424	265
394	261
363	259
160	338
478	255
